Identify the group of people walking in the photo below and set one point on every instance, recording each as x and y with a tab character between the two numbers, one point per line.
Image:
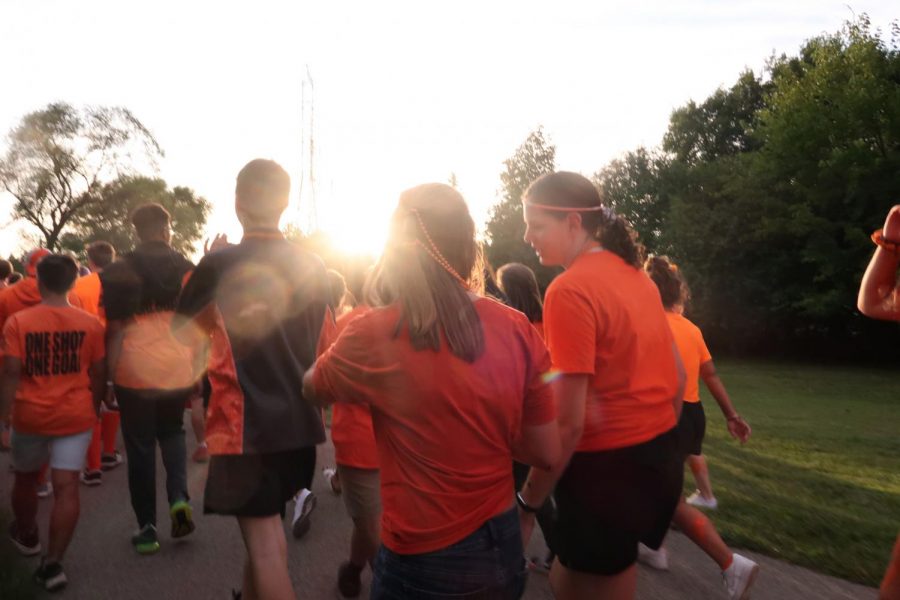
441	392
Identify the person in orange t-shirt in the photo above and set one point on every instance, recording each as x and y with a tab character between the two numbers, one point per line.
53	374
102	453
879	298
739	571
618	386
455	384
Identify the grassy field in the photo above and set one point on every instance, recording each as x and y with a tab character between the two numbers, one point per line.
819	482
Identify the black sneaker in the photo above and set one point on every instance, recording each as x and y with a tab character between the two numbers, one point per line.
51	576
146	541
91	478
182	519
349	584
110	461
28	544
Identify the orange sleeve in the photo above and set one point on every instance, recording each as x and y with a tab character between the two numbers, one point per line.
702	350
540	407
11	342
570	328
344	372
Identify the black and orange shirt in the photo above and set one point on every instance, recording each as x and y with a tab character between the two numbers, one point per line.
262	303
141	290
693	351
56	346
444	427
604	318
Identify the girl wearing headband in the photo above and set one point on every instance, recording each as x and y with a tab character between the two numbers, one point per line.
455	384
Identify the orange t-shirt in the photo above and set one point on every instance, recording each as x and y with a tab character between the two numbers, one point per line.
693	353
539	325
445	428
604	318
88	291
351	424
56	346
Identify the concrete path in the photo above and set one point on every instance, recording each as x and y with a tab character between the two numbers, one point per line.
101	564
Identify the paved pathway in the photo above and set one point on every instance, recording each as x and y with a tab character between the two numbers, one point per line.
102	565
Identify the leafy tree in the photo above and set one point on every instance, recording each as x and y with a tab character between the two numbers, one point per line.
109	218
506	226
59	157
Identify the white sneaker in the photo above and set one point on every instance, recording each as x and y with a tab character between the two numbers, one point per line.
739	577
697	499
657	559
305	502
329	473
45	490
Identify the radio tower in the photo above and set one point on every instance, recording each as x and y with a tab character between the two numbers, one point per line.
308	155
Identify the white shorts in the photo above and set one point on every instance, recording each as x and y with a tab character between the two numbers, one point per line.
31	451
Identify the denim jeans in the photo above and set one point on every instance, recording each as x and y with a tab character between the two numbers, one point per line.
148	417
487	565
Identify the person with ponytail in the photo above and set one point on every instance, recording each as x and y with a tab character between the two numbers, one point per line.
520	286
618	386
739	572
456	387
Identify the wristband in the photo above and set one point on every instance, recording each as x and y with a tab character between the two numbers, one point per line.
524	505
879	240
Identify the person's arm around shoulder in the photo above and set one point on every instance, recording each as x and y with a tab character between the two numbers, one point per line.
737	426
878	294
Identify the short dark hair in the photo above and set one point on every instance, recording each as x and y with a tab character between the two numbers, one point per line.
101	253
263	188
57	273
15	277
150	220
6	269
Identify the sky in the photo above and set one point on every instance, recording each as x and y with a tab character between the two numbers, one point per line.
404	92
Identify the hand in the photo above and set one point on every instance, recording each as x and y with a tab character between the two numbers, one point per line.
739	429
218	242
891	229
526	524
109	400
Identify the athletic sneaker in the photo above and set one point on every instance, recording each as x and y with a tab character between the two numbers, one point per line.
697	499
51	576
45	490
657	559
91	478
739	577
182	519
334	482
305	504
349	584
145	541
111	461
201	454
28	544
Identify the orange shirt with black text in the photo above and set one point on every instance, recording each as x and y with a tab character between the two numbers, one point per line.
604	318
56	346
444	427
693	351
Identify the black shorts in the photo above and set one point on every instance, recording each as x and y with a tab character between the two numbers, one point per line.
692	428
608	501
257	485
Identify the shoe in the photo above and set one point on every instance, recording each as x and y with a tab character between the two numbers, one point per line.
697	499
739	577
656	559
28	544
201	454
334	482
51	576
305	504
145	541
45	490
182	519
91	478
111	461
349	584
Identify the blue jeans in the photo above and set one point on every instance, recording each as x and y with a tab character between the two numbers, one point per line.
487	565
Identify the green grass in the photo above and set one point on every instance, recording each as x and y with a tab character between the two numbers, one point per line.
818	484
15	579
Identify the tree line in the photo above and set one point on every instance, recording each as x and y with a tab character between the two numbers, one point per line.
765	194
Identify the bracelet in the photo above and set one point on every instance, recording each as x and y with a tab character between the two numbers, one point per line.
890	245
524	505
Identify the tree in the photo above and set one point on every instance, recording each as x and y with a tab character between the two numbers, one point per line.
109	218
506	225
59	158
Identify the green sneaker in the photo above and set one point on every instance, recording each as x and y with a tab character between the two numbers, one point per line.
145	540
182	519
